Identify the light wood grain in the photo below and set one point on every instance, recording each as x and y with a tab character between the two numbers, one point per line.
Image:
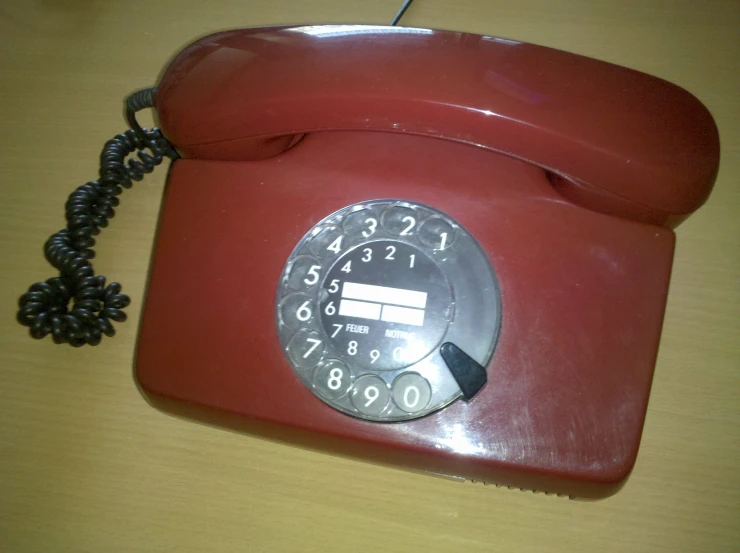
87	465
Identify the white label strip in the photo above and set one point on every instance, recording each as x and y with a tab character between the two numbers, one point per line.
361	309
394	314
384	294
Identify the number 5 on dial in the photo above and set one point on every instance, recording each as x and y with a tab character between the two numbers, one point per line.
313	275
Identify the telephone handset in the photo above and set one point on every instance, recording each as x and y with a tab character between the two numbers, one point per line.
432	249
616	140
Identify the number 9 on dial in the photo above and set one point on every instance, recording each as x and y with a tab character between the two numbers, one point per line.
370	395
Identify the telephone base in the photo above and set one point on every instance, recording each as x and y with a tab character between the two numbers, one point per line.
583	296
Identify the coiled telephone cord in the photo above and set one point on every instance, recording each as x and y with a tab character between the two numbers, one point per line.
45	308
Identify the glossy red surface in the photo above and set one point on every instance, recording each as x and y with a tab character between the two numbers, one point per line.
577	236
623	142
583	299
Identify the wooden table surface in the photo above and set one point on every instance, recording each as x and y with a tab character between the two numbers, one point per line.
87	465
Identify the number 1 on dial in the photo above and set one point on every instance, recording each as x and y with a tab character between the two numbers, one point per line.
442	240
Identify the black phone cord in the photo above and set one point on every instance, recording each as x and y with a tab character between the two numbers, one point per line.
45	308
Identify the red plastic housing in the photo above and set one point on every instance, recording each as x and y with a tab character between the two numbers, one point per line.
583	291
626	143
